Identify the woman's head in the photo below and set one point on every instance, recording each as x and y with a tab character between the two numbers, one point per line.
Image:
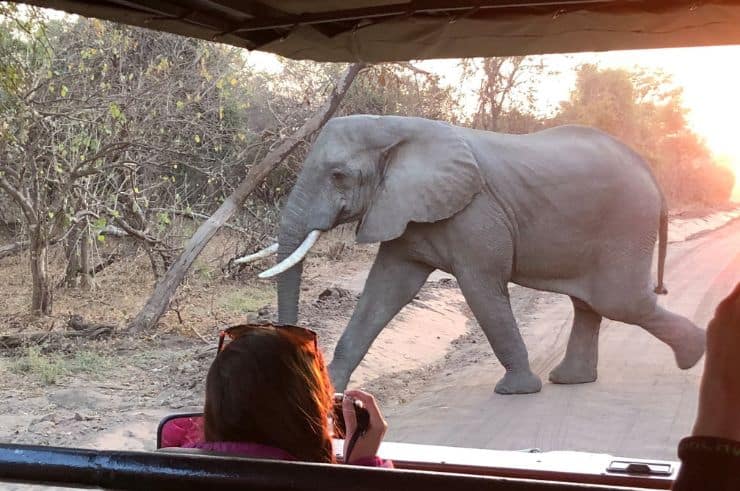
271	387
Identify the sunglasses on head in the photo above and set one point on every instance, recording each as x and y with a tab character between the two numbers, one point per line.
232	333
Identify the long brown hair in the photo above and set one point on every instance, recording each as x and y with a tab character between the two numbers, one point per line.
270	388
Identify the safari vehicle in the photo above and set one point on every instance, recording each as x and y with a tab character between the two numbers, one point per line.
426	467
373	31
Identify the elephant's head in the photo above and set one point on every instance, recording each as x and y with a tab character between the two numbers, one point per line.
383	172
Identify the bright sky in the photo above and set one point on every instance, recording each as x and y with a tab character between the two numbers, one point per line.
710	78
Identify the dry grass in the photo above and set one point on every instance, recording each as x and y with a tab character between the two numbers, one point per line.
248	299
209	297
206	298
50	368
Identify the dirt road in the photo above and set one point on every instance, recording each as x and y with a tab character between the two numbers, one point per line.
641	405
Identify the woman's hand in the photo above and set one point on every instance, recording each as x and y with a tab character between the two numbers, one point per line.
367	445
719	395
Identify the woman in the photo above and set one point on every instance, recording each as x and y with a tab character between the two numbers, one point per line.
268	395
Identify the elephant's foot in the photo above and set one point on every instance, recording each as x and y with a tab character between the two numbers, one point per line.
574	372
522	382
690	348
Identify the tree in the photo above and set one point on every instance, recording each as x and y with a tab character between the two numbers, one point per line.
646	111
112	131
506	92
400	89
53	146
159	300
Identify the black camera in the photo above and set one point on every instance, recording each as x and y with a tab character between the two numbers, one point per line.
340	428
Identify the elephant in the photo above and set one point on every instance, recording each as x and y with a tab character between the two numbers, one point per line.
568	209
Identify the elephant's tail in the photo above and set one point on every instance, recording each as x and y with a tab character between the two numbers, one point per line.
662	247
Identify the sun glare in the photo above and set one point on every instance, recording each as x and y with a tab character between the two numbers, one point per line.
710	81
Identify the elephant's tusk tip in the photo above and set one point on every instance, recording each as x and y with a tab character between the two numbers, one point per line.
261	254
296	257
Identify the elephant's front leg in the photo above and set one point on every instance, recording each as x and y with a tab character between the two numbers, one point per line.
392	283
492	309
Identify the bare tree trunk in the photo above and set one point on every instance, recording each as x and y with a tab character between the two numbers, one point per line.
166	287
72	270
87	280
41	298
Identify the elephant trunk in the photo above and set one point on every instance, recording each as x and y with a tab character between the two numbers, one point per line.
289	287
292	234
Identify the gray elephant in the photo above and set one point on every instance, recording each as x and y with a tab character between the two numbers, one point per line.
568	210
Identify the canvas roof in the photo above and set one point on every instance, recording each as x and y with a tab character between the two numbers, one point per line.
393	30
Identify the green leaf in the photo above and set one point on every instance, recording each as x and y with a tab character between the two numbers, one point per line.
197	138
115	111
64	91
163	218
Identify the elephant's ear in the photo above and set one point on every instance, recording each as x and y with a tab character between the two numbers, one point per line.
428	176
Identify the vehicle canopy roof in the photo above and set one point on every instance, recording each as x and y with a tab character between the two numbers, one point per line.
389	30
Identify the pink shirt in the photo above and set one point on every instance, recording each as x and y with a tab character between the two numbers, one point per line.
188	433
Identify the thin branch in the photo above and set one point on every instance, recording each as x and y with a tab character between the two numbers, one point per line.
138	234
21	200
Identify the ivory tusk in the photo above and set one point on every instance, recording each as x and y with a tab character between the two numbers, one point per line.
296	257
267	251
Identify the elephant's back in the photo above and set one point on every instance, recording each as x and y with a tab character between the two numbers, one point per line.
574	194
569	159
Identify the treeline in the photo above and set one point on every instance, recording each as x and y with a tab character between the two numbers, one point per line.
111	131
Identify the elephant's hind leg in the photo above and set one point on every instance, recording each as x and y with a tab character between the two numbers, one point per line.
492	309
582	354
685	339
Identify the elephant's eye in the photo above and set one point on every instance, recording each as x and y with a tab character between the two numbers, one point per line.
338	176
